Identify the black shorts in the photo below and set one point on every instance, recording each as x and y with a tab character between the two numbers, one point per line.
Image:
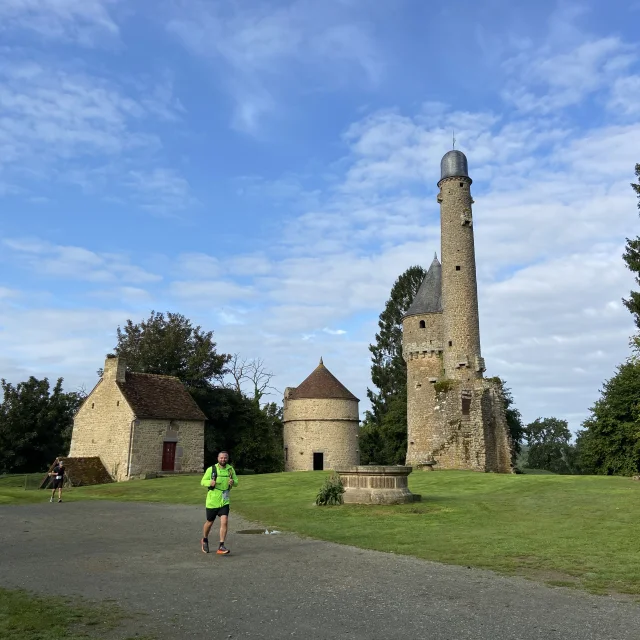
220	511
57	483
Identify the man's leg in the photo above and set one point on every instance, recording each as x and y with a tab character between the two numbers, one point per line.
60	493
223	528
223	533
211	516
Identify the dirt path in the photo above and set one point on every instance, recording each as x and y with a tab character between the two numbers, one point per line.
147	558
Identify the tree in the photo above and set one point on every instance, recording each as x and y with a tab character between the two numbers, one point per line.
549	445
252	435
609	444
631	256
250	372
388	368
172	346
35	424
514	419
383	436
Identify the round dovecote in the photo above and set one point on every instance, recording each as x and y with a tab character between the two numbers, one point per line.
320	424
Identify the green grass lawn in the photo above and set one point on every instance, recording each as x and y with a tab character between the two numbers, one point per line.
27	617
569	530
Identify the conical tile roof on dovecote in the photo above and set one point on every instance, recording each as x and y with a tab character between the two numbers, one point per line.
321	384
429	296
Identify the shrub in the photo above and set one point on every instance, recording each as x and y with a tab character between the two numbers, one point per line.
331	491
443	386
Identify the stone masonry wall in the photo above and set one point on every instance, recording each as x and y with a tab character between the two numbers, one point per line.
102	427
328	426
469	430
459	288
148	439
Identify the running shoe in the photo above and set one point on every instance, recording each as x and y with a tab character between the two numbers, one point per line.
60	500
222	550
205	545
50	499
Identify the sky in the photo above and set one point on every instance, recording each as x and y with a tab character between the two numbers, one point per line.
268	168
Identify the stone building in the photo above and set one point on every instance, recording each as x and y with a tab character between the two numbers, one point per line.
454	415
139	423
321	424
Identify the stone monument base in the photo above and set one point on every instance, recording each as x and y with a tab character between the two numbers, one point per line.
376	484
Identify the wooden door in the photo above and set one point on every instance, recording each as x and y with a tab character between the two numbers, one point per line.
168	456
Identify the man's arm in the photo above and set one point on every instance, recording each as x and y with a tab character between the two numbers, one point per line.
234	477
206	478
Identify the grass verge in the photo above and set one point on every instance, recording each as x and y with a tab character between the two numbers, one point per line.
566	530
27	617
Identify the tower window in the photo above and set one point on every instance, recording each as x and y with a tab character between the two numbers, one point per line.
93	404
462	184
451	343
422	325
286	454
457	267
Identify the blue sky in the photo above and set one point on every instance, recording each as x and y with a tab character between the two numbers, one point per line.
268	168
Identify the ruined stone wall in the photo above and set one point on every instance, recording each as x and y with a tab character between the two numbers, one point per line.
149	437
469	429
102	427
462	358
328	426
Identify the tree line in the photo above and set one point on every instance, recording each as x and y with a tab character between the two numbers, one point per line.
36	421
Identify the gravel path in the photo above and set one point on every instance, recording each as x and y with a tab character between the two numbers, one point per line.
147	558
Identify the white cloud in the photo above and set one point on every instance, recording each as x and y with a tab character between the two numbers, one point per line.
256	42
75	263
85	22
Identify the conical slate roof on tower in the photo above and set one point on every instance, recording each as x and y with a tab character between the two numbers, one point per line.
321	384
429	296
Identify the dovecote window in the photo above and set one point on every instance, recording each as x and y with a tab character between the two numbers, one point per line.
422	324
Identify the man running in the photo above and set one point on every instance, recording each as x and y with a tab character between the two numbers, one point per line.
219	480
58	479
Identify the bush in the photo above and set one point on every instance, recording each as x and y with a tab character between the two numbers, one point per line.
331	491
444	386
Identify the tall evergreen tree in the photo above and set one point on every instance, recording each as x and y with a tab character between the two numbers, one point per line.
388	368
631	256
383	436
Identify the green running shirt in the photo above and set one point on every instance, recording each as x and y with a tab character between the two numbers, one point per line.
219	497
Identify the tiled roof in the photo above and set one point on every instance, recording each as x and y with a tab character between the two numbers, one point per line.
161	397
429	296
321	384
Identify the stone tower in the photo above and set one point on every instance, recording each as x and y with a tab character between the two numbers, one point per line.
454	415
320	424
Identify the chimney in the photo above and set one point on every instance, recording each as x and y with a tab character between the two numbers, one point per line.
114	368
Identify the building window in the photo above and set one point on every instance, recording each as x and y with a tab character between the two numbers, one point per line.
118	403
286	454
422	325
457	267
93	404
451	343
462	184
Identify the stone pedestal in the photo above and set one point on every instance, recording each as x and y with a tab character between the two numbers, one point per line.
373	484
